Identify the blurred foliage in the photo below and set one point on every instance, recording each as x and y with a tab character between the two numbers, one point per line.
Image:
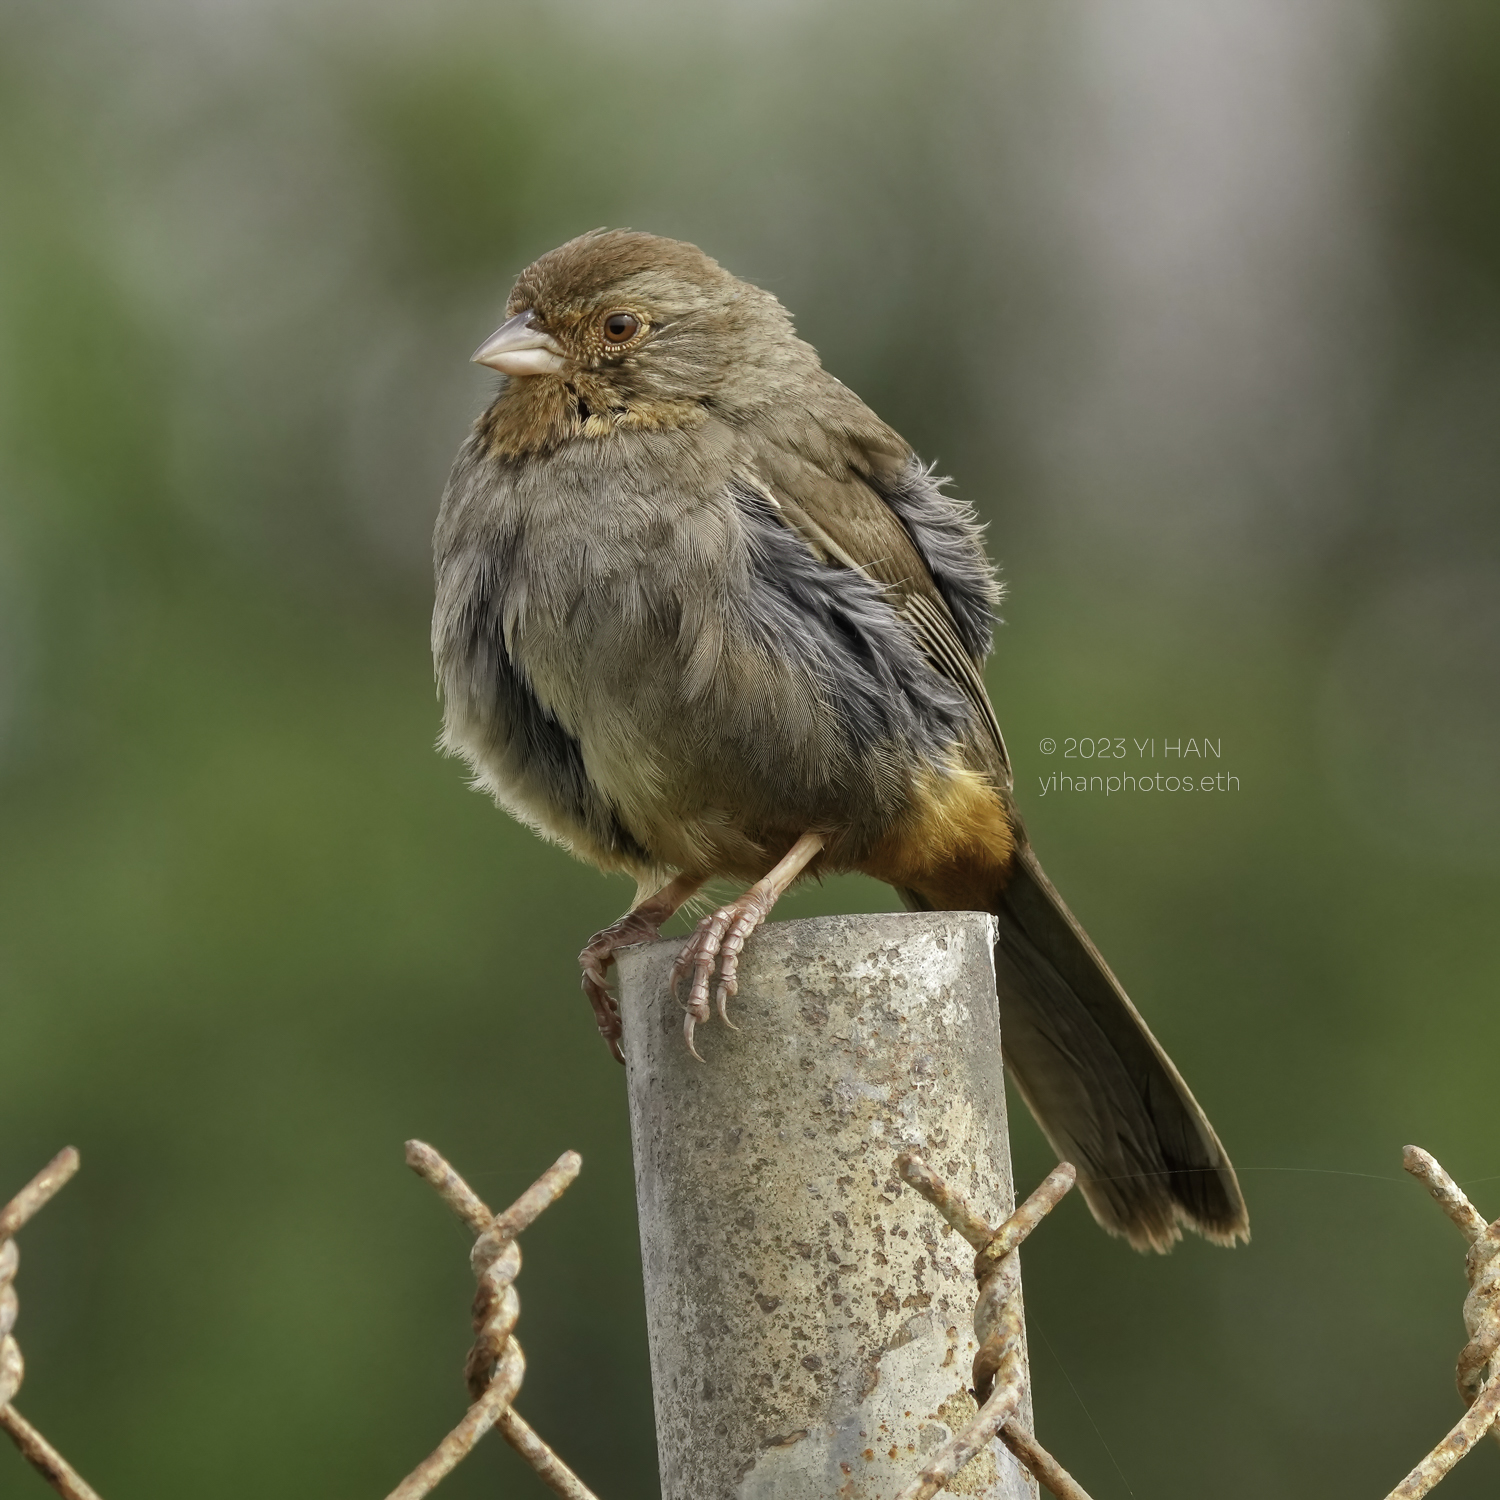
1202	311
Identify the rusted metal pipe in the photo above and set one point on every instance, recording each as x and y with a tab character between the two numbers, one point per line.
809	1316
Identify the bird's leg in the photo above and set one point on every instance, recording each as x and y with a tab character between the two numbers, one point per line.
718	940
641	924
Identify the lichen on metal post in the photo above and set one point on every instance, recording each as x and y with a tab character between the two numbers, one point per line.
809	1316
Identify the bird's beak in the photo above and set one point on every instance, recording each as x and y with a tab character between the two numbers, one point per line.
517	348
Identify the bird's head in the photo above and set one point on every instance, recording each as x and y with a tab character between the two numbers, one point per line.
618	329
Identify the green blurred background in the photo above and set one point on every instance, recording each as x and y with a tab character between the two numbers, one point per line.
1201	308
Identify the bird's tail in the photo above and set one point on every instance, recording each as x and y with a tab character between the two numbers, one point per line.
1105	1094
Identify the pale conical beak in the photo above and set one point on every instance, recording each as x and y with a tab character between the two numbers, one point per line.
517	348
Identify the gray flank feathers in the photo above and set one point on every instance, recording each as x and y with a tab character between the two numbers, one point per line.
841	627
944	530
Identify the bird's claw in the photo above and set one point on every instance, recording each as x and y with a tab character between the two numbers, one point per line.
606	1009
595	961
689	1023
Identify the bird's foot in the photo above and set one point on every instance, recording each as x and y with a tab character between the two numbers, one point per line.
719	939
716	945
641	924
634	927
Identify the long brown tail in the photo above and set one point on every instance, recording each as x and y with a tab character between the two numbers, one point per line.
1105	1094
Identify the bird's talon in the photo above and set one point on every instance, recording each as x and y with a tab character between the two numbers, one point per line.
722	1005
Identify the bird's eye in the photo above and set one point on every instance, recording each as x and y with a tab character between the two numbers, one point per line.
620	327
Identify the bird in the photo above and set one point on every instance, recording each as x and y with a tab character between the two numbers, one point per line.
701	615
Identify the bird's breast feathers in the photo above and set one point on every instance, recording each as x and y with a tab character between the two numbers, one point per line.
720	670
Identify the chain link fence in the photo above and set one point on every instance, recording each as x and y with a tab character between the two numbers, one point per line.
496	1366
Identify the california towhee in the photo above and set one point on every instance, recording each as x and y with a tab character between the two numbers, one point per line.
701	613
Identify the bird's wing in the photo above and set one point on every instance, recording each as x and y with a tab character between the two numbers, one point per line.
846	523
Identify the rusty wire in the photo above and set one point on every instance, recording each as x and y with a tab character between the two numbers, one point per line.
37	1451
1481	1318
495	1365
999	1367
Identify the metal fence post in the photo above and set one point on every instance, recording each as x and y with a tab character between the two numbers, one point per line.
809	1315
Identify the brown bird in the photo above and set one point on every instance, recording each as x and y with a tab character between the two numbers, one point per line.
702	614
